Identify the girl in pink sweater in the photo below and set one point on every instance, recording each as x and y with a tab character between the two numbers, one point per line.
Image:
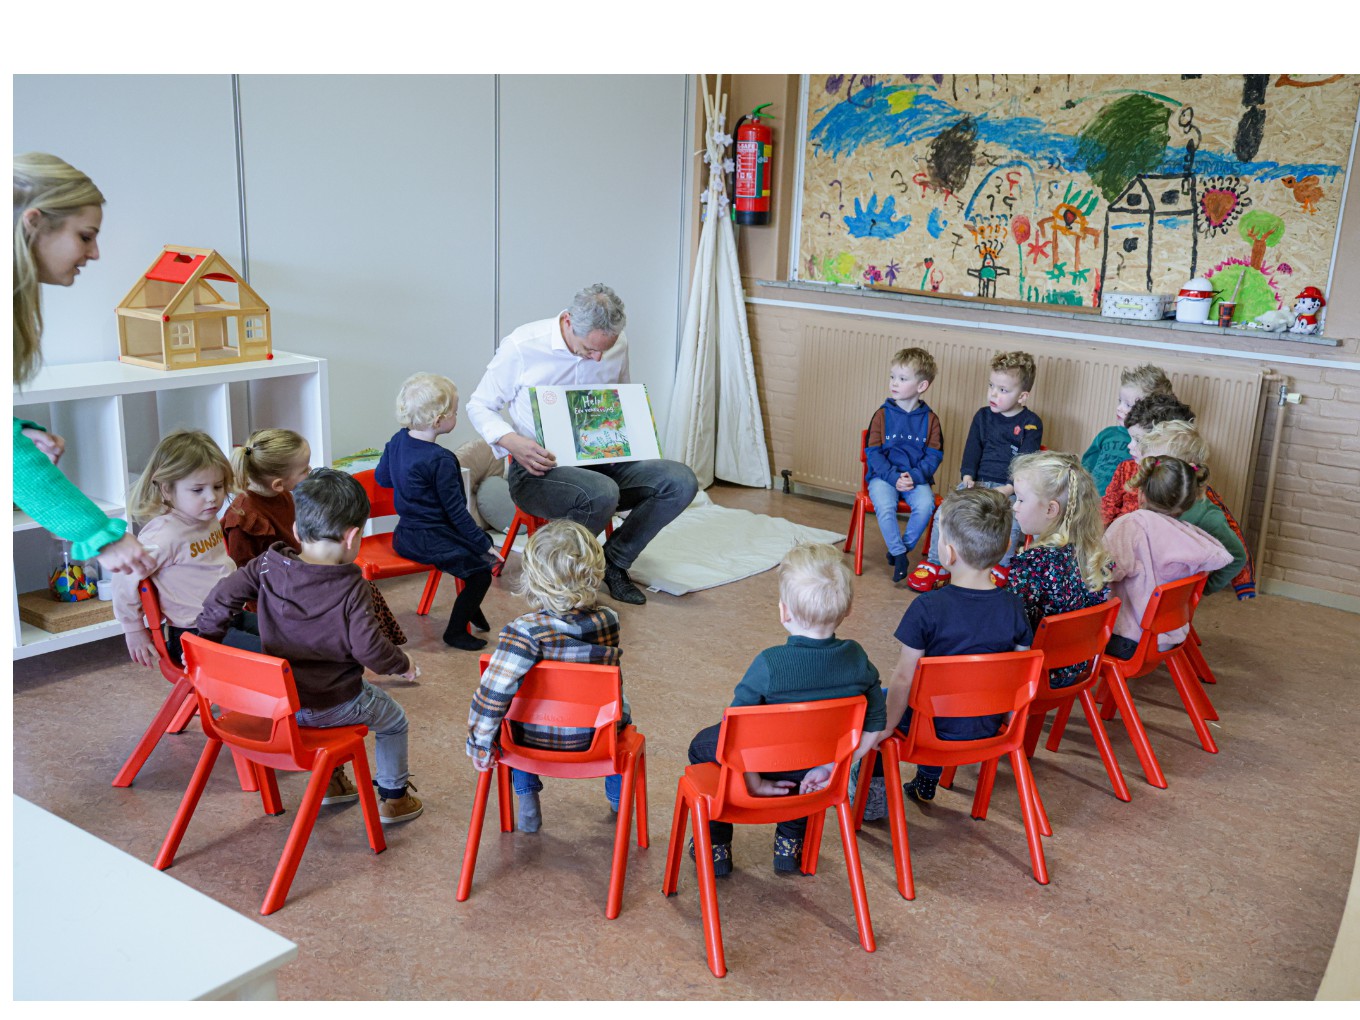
1150	546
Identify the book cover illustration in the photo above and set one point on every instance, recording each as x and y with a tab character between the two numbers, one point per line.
598	427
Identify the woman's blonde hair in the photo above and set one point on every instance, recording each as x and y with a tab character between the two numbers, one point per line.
424	399
176	457
56	189
563	568
1179	439
1060	476
1169	485
815	585
268	454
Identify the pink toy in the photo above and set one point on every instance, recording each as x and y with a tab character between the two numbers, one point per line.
1307	304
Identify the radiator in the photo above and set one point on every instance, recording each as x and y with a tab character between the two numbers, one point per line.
843	377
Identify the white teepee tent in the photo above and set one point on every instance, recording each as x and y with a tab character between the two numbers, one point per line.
714	424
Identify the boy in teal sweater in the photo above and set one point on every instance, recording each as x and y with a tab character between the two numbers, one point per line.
1110	447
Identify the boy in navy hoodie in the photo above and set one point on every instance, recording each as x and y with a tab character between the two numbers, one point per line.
903	449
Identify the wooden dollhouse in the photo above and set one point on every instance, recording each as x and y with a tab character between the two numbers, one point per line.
181	314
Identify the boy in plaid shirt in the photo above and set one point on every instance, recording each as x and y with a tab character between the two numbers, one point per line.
563	568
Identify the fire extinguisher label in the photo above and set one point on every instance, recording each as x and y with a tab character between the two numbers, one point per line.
748	168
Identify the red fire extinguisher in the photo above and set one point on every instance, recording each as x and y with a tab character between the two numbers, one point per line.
755	149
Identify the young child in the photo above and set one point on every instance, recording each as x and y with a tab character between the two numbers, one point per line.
563	568
427	482
1000	432
266	470
812	665
902	450
178	496
1110	447
1066	566
1151	546
972	616
1181	439
314	610
1143	415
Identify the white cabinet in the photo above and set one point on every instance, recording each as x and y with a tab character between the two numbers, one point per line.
112	415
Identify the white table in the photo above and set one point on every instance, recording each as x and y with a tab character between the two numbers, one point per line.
92	922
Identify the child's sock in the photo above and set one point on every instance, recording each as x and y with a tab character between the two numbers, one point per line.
478	620
459	638
899	567
530	814
921	787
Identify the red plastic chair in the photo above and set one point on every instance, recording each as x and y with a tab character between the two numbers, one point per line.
1067	639
864	506
963	685
570	694
770	738
377	559
1197	662
1170	607
179	705
259	722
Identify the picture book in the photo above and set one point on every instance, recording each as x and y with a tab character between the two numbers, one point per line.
585	425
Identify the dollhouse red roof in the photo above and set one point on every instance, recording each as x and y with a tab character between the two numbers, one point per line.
176	267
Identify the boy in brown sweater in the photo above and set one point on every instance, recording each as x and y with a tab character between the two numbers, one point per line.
315	611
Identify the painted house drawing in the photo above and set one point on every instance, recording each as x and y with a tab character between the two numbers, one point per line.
191	309
1150	201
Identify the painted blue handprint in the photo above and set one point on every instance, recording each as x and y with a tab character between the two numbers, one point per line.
875	222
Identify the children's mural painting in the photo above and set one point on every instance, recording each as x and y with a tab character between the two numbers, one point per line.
1048	189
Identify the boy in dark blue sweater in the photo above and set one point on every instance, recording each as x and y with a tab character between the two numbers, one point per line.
902	450
999	433
813	665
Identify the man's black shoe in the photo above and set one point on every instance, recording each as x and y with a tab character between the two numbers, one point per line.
621	586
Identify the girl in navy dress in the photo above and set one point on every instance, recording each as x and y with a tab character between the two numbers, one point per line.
427	482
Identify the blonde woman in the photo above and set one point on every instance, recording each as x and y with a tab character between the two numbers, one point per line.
57	215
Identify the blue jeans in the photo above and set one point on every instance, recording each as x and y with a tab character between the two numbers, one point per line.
885	496
374	708
1016	534
656	491
528	782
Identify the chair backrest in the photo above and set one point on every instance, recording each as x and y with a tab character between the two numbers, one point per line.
381	501
783	738
151	609
1067	639
576	695
259	698
1172	605
972	685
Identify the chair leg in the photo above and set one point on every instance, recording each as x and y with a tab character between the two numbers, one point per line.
1197	662
298	835
982	797
708	890
866	772
1024	781
197	782
618	867
855	871
1133	723
368	800
947	777
427	596
1045	828
812	842
269	790
245	772
180	693
640	807
180	722
1055	735
505	798
1102	739
1188	686
670	879
860	514
474	836
897	823
509	543
1034	727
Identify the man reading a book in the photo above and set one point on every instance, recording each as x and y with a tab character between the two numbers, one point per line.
581	346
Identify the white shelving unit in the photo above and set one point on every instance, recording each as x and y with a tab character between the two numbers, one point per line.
112	415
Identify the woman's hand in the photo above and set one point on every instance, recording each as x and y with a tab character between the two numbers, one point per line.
127	556
142	649
51	445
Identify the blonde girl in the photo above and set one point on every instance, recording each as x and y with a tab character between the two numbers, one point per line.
266	469
176	500
1152	545
1065	567
563	569
57	215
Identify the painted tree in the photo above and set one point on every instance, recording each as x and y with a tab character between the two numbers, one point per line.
1127	138
1263	230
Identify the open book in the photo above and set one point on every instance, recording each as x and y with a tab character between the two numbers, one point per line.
584	425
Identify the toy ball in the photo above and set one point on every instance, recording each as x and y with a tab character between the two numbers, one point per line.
72	584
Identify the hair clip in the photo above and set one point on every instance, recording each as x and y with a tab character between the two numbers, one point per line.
247	450
1193	467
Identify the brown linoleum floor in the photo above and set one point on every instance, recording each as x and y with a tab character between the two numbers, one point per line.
1228	885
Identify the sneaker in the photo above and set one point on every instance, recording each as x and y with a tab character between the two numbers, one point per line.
927	576
530	814
722	858
788	855
899	567
621	586
340	790
1000	576
921	788
400	809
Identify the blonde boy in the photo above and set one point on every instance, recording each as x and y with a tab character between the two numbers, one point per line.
1110	446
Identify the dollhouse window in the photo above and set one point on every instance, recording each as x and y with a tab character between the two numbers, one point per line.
181	335
254	329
